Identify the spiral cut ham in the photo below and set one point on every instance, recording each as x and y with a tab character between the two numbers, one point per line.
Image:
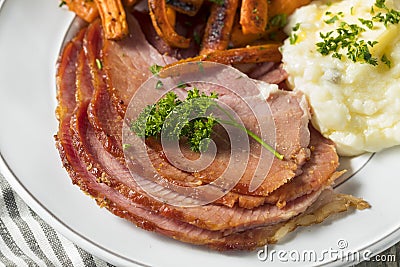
92	100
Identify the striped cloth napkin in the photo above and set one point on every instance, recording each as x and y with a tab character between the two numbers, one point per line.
26	240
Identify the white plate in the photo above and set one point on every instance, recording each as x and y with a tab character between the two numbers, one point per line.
31	33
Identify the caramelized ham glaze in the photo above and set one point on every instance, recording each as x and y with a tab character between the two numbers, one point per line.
103	115
109	171
292	137
127	63
91	103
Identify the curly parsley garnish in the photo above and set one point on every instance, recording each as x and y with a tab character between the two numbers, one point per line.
386	61
390	16
368	23
346	41
293	37
155	69
62	3
154	118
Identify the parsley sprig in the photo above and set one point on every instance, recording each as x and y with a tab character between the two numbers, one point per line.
294	36
159	116
155	69
62	3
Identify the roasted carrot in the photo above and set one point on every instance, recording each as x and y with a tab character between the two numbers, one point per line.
219	26
277	7
129	3
188	7
159	18
171	15
238	38
273	36
113	18
278	10
86	10
254	16
251	54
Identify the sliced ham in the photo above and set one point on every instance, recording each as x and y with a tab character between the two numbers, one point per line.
291	116
66	84
91	101
276	76
123	65
127	63
110	171
103	115
318	172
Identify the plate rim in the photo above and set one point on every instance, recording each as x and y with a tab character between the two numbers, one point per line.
50	218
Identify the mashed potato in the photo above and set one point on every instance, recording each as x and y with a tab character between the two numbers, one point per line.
355	104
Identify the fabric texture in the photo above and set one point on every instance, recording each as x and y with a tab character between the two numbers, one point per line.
26	240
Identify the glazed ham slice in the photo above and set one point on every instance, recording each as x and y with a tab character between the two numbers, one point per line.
66	84
90	99
319	171
127	63
102	113
124	59
291	118
110	171
140	214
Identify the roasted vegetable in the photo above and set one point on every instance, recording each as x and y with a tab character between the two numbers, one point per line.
239	39
86	10
113	18
251	54
254	16
159	17
219	26
171	15
277	7
188	7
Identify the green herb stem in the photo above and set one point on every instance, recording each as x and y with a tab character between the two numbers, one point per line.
62	3
233	122
254	136
155	69
99	64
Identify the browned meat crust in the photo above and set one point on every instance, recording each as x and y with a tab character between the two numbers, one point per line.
258	218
